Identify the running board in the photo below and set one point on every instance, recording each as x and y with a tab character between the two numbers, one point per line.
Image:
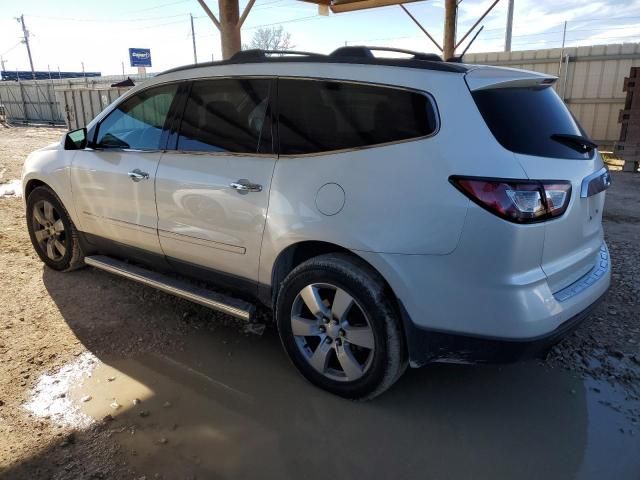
216	301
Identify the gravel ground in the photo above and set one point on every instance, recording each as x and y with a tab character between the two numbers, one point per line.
48	320
608	346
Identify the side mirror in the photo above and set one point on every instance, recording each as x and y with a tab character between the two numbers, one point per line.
76	139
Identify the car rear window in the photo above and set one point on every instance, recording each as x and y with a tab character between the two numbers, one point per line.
524	119
320	116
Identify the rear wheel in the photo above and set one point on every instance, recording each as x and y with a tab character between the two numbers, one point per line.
53	234
339	328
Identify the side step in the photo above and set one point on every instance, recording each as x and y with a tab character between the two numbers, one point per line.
216	301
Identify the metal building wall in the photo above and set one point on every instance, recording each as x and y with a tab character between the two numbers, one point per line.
40	102
81	105
590	80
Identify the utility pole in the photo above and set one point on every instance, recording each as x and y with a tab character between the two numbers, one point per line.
229	24
25	40
508	34
450	20
193	38
564	37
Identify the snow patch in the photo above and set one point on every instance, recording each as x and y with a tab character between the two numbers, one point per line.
51	396
12	188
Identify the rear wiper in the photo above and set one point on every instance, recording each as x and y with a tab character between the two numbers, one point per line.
577	142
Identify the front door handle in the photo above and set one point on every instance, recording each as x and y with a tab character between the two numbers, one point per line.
137	175
244	185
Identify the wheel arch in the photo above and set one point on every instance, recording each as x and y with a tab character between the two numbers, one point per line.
299	252
32	184
59	185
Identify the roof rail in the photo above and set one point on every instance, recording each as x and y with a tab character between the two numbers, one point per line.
360	55
257	53
367	52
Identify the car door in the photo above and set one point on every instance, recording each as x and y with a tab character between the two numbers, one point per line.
113	180
212	191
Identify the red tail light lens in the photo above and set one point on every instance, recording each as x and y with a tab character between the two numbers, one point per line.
520	201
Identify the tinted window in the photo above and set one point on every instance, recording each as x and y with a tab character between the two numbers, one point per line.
523	120
227	115
137	123
317	116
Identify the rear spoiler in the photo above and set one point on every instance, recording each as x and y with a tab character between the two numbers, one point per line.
484	77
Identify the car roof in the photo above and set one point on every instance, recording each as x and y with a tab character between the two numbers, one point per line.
344	55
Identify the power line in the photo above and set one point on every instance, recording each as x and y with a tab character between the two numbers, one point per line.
109	20
159	6
253	27
12	48
293	20
164	24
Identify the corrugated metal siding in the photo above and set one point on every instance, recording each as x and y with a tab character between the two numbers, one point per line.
81	105
40	102
591	83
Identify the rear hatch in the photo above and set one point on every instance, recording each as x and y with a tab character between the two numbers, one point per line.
527	117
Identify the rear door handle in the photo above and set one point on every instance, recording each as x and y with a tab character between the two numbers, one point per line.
137	175
244	185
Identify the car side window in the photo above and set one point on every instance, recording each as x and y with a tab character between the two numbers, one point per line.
227	115
319	116
138	122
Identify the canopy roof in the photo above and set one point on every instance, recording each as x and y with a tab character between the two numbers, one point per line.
339	6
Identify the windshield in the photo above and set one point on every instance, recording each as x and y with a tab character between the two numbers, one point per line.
523	120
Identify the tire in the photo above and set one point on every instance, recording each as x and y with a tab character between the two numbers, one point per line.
339	328
53	234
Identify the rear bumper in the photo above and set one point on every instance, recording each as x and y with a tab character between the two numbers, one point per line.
429	346
473	318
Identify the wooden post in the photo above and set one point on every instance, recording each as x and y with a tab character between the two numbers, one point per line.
450	14
229	24
229	31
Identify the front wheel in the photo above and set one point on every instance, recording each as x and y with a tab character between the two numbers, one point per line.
52	232
339	327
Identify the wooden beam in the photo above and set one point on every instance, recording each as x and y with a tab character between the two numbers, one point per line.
477	22
208	11
245	12
424	30
339	6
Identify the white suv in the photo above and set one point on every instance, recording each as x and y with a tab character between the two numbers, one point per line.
391	211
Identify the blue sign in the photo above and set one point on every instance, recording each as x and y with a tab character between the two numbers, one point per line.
140	57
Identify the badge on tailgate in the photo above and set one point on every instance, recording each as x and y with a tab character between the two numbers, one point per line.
595	183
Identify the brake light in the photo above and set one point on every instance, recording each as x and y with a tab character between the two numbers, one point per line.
519	201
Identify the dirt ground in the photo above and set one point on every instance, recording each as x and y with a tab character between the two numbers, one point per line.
104	378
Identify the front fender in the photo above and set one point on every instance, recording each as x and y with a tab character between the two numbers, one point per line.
51	166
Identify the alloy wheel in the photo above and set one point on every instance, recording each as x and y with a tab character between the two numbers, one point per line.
333	332
48	230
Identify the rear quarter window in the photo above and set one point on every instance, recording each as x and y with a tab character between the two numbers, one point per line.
321	116
523	120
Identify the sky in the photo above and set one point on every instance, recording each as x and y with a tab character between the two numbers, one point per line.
65	33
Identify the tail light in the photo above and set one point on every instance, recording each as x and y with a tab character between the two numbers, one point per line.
519	201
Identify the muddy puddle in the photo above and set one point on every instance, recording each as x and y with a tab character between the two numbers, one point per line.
231	406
